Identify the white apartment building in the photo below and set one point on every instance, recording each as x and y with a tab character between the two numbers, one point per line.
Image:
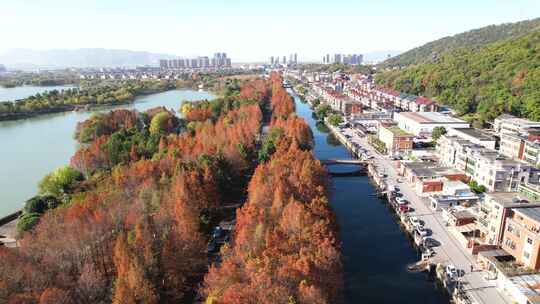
510	124
475	136
485	166
423	123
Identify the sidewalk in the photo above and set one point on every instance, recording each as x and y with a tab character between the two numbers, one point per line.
450	251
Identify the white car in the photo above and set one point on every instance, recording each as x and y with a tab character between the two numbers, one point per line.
451	271
415	221
401	201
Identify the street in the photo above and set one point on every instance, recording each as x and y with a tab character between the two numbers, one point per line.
450	251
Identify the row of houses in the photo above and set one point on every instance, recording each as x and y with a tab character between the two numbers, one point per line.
500	227
362	89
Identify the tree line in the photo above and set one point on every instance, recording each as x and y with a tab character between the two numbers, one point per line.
479	83
133	212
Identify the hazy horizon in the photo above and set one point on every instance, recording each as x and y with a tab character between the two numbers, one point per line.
247	31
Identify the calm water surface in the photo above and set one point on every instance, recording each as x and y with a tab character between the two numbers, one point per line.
31	148
16	93
376	251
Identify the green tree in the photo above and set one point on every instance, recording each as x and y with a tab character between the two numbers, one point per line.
322	111
60	181
158	124
27	221
437	133
335	119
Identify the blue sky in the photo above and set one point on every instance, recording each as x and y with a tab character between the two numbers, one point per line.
248	30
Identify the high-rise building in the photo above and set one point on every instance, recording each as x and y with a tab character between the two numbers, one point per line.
163	63
219	60
295	57
284	60
271	60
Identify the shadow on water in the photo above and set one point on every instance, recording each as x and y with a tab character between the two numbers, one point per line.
375	250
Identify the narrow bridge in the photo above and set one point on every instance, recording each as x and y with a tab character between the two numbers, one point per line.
329	162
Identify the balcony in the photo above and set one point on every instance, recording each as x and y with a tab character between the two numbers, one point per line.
484	223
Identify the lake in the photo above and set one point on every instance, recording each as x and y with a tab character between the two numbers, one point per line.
375	250
16	93
31	148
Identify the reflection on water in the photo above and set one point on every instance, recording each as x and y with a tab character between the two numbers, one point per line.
16	93
375	250
31	148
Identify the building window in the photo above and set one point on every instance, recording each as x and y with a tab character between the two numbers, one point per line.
529	241
526	255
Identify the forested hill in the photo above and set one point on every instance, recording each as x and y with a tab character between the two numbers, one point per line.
480	83
432	51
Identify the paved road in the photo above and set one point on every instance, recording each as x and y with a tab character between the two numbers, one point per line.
450	251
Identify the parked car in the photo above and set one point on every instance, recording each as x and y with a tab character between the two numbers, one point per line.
415	221
421	231
404	208
401	201
212	247
217	232
427	253
451	271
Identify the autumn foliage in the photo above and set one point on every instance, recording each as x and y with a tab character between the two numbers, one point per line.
286	248
134	232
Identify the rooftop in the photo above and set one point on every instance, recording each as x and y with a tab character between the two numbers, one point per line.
472	132
532	213
511	199
431	117
398	132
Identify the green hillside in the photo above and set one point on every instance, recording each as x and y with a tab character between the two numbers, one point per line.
480	83
432	51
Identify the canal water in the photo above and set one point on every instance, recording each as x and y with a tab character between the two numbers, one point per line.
31	148
16	93
376	251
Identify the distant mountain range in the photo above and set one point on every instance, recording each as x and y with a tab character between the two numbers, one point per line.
431	52
61	58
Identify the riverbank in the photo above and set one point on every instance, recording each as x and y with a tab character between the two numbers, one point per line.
36	146
375	250
8	229
446	248
75	107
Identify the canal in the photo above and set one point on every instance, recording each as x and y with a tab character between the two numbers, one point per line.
31	148
376	251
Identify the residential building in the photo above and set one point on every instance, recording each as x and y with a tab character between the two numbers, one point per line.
521	236
531	153
487	167
423	123
506	123
474	136
395	139
512	145
494	209
454	193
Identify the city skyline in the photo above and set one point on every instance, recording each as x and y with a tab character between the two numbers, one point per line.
191	28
